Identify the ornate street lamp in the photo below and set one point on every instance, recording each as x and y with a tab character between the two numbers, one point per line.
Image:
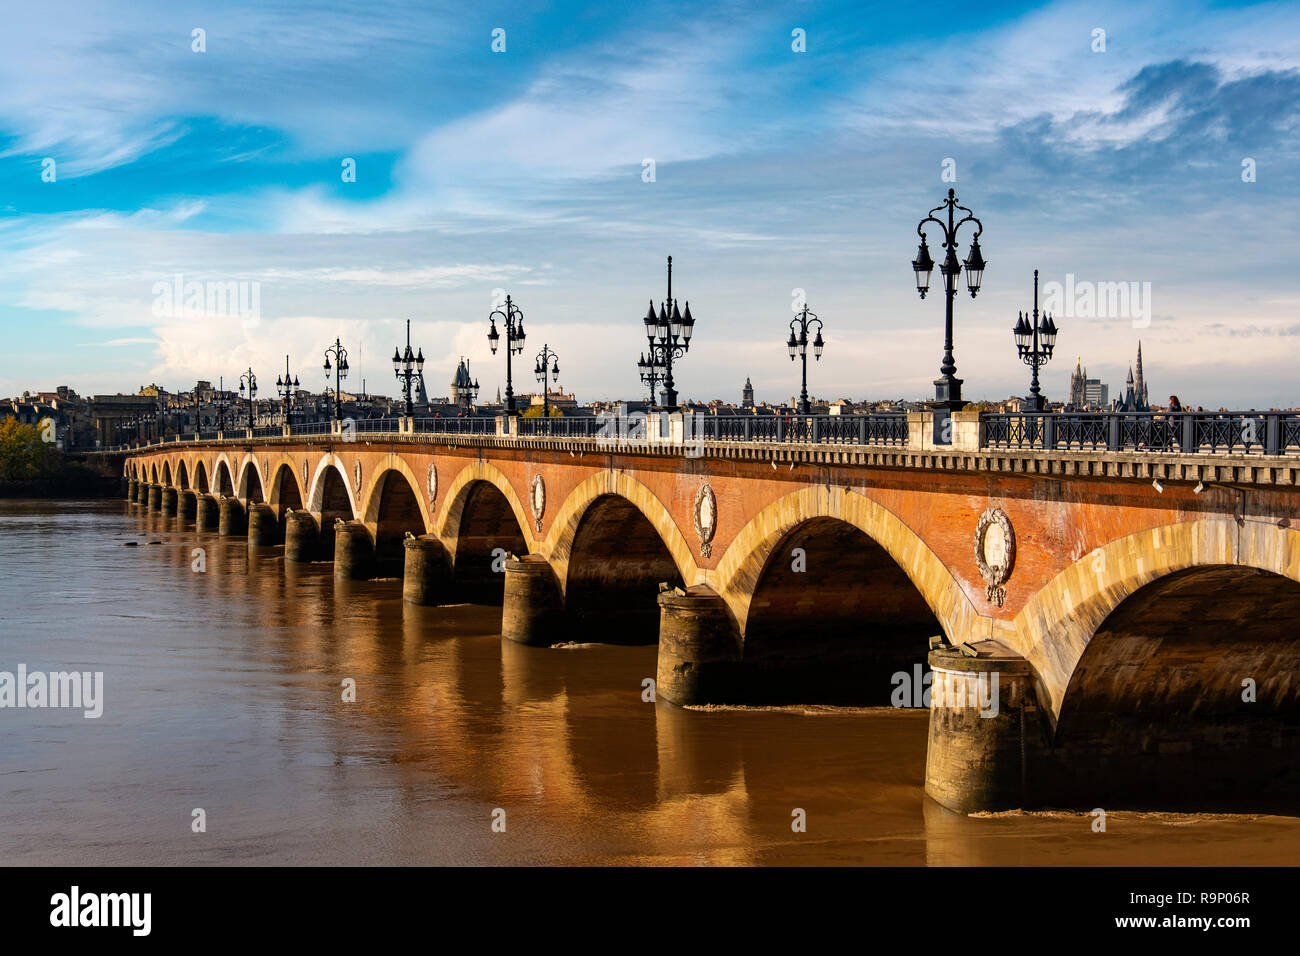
947	388
669	335
1035	340
649	371
798	344
286	386
340	368
545	357
406	366
248	380
221	402
513	319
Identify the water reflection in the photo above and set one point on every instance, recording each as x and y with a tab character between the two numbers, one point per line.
225	689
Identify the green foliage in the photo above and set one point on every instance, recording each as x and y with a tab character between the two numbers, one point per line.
23	456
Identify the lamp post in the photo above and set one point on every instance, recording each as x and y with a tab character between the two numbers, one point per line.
669	335
798	344
221	402
513	319
286	386
947	388
406	366
340	368
544	358
249	380
649	370
1035	340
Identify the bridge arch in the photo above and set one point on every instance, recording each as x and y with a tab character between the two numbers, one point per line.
481	514
386	480
200	477
182	475
1187	690
166	473
611	544
250	480
393	507
223	482
331	494
747	557
569	518
285	491
1054	628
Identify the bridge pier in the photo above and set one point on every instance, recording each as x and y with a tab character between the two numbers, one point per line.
699	647
301	537
354	552
187	505
985	729
532	609
131	486
426	574
169	497
263	528
155	497
231	518
205	513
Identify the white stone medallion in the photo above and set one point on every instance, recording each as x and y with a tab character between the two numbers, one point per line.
706	519
995	553
537	497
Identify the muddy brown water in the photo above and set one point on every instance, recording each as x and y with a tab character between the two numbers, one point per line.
223	691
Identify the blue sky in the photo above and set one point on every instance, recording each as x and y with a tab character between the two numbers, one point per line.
522	170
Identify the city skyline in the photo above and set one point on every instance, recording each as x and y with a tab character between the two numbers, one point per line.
774	171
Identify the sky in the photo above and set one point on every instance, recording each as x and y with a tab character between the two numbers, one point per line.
559	152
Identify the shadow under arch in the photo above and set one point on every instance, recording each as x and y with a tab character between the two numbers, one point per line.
1188	695
393	508
222	482
166	473
182	475
833	619
284	493
200	477
747	556
615	561
559	545
1053	629
250	481
482	521
331	499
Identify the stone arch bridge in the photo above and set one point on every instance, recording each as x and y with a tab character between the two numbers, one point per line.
1085	625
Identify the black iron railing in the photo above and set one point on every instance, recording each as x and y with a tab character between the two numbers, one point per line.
1251	433
470	425
578	427
808	429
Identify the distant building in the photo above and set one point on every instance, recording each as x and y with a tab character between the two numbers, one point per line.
747	394
1135	389
1095	394
464	389
1087	393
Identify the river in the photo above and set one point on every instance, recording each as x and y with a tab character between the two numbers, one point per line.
224	686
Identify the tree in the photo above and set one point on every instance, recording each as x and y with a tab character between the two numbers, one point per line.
535	411
23	456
